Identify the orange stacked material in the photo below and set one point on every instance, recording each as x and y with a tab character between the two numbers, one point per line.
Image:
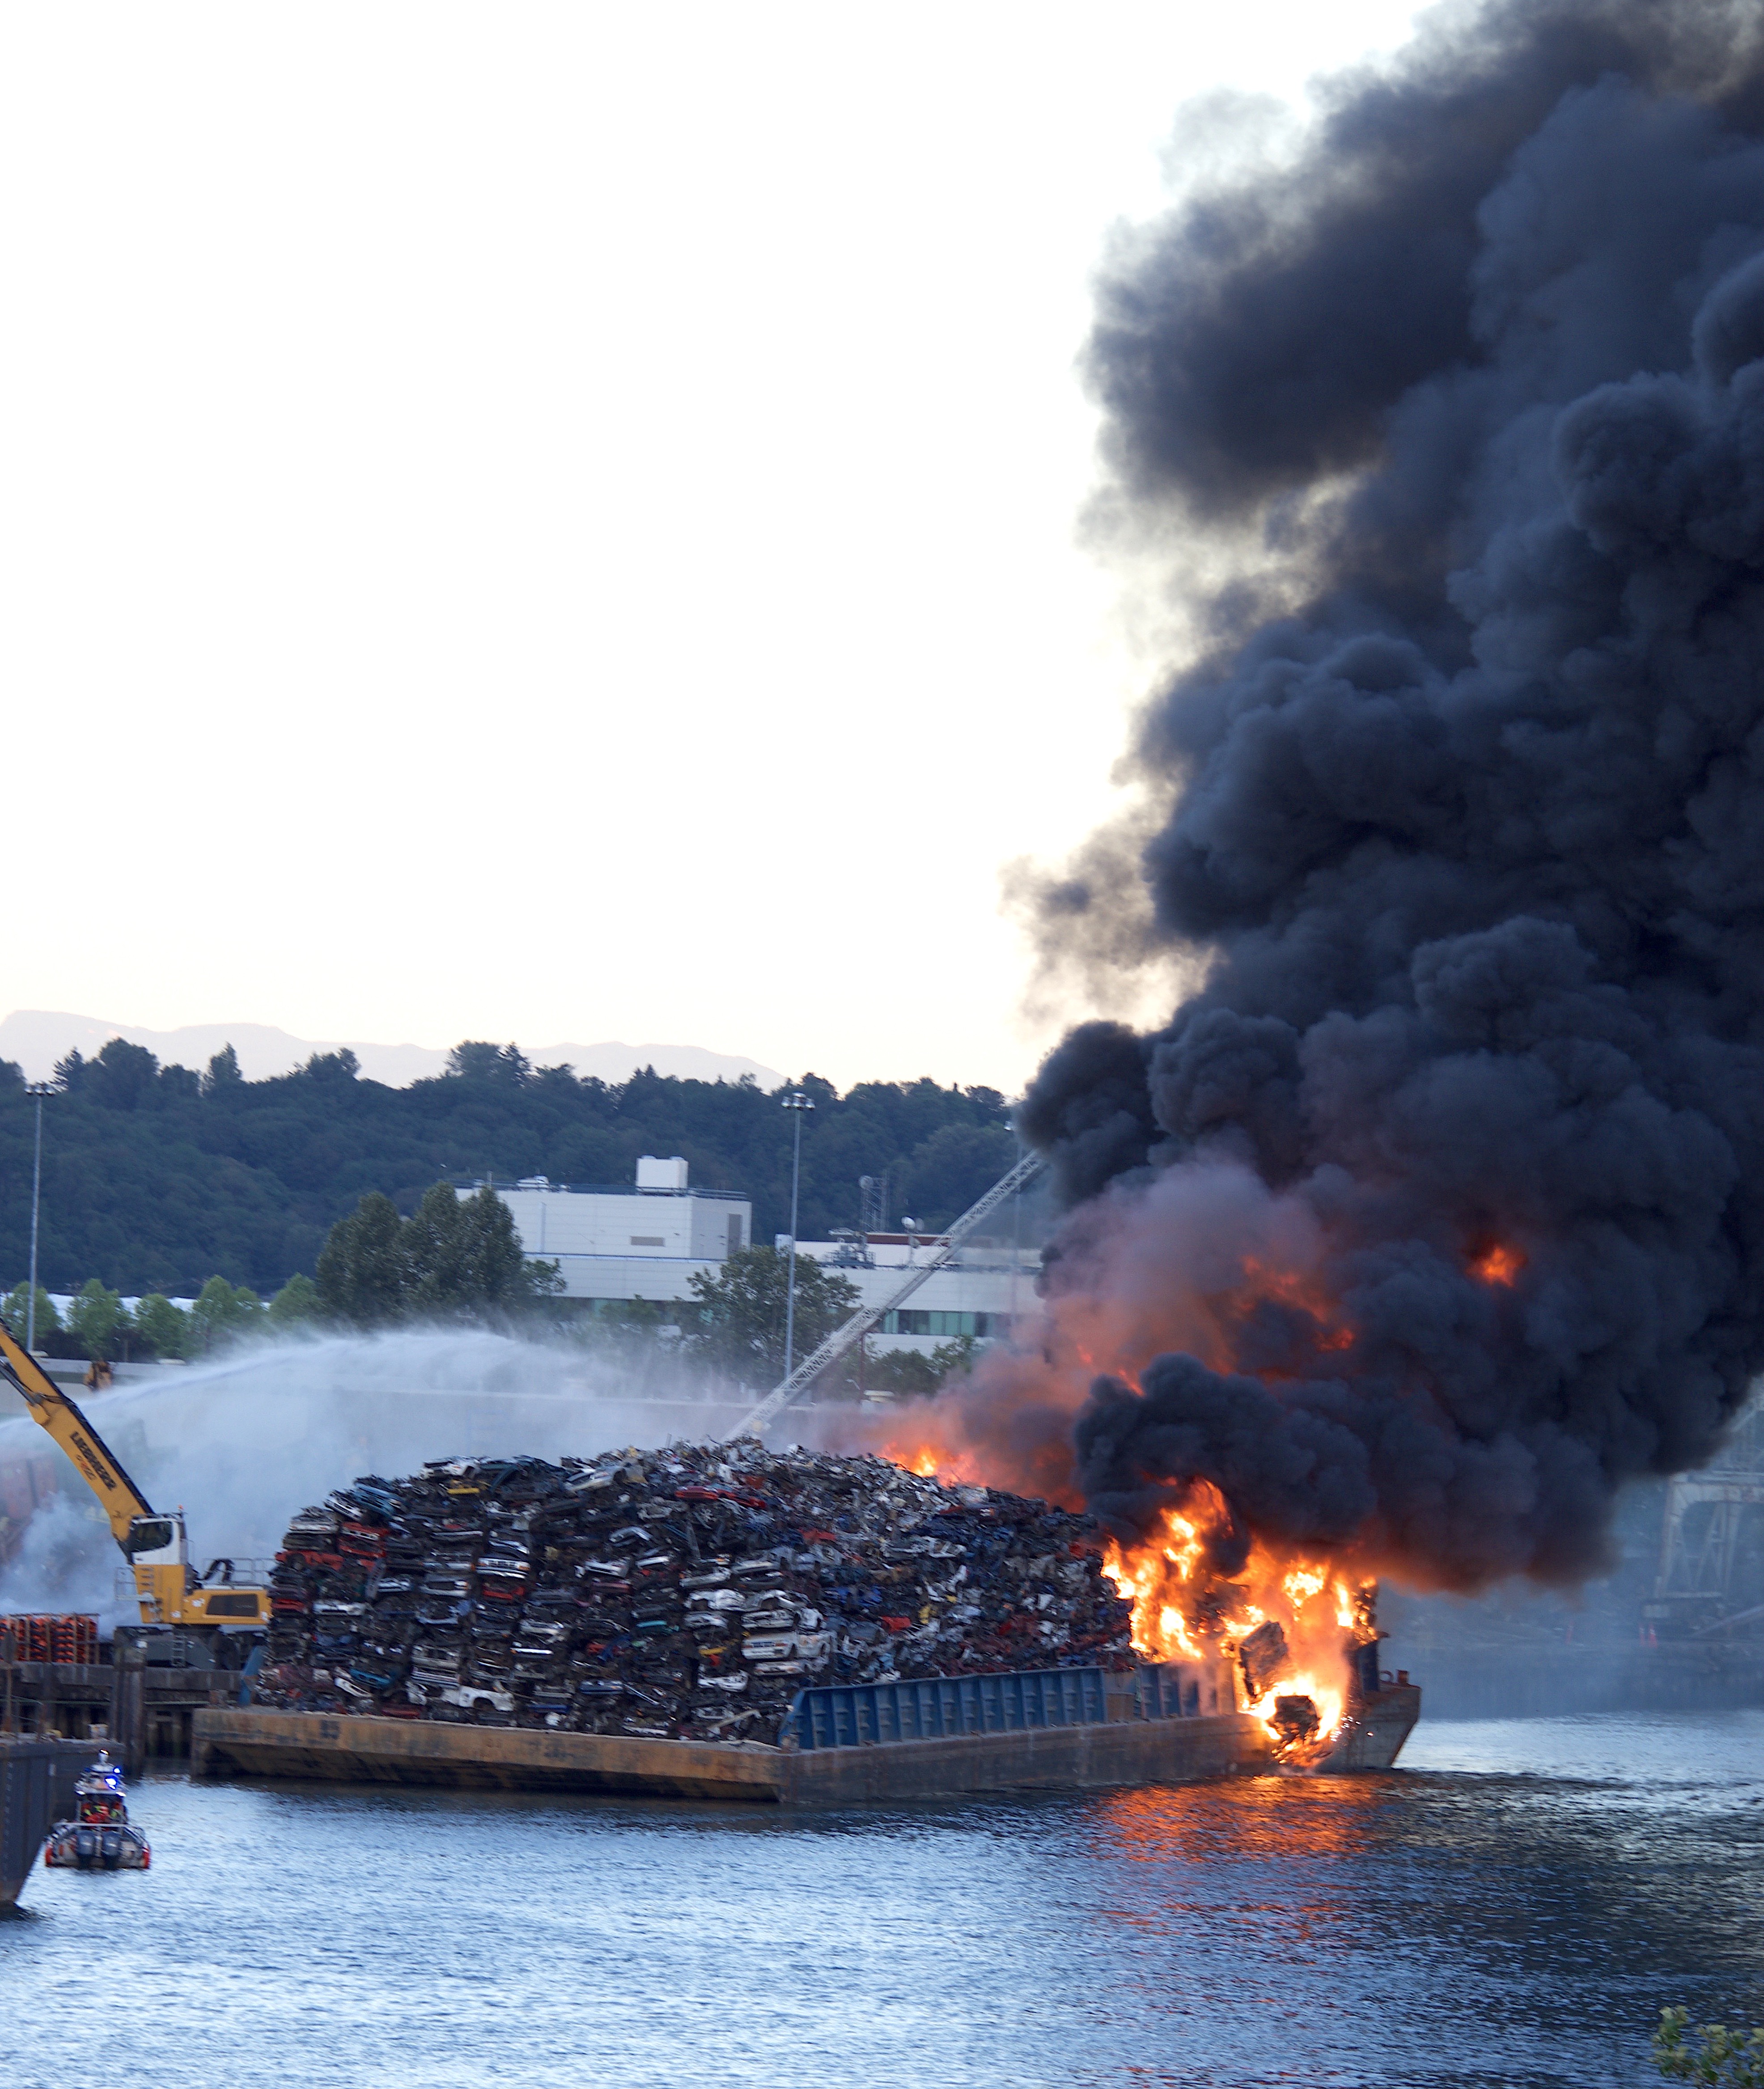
70	1638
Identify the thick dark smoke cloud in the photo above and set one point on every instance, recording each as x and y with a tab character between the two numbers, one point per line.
1474	836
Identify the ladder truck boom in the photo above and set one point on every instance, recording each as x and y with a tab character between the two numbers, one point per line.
154	1544
847	1336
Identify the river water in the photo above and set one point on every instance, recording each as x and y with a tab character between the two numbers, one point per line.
1512	1906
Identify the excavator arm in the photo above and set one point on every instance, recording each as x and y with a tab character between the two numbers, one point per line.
121	1500
154	1544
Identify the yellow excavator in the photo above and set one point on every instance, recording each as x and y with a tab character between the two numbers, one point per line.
170	1594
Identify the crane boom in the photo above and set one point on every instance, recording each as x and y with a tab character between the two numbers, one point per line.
848	1336
155	1545
121	1500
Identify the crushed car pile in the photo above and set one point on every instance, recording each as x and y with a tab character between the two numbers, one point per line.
687	1593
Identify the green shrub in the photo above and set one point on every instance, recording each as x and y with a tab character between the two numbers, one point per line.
1714	2056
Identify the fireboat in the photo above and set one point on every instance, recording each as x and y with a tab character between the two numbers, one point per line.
100	1837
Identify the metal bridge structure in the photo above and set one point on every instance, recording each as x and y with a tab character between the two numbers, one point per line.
1711	1539
846	1337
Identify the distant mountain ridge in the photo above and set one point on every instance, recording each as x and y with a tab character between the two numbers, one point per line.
35	1038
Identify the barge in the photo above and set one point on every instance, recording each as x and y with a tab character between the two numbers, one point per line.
37	1778
846	1744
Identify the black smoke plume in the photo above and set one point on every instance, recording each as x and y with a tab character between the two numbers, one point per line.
1466	801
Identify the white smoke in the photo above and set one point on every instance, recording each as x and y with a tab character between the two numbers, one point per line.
242	1444
66	1561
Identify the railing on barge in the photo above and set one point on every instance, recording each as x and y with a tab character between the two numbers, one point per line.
854	1715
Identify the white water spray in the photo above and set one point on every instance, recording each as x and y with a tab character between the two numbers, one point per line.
243	1443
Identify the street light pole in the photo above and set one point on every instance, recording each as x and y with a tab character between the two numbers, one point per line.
39	1089
796	1102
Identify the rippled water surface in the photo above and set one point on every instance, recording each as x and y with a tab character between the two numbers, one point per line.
1512	1906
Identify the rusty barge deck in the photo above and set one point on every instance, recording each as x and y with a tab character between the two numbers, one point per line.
1123	1749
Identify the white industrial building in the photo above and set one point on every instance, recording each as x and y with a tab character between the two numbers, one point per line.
986	1291
614	1245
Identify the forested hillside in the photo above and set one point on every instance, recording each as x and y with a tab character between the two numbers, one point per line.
157	1177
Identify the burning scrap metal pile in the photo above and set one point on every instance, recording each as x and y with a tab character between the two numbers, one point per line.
686	1593
1433	1216
690	1592
1304	1639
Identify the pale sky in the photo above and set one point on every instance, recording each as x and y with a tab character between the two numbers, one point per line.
535	521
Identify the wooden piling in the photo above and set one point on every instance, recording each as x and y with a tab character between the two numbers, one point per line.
128	1706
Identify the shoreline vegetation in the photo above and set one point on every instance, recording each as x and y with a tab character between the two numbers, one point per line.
155	1178
456	1261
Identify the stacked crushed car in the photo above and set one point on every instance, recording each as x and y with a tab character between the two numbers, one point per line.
688	1593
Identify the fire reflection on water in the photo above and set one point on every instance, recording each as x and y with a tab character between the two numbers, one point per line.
1327	1817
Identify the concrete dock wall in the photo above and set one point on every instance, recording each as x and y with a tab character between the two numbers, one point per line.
143	1712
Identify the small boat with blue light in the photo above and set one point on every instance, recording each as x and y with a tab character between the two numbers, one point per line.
100	1837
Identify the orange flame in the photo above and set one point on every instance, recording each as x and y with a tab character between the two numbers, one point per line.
1500	1264
1302	1289
1008	1425
1329	1697
933	1460
1152	1580
1181	1611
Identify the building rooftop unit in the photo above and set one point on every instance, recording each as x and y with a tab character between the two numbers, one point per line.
618	1241
850	1250
544	1184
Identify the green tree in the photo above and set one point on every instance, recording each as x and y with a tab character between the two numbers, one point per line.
741	1313
161	1327
918	1371
909	1372
1718	2057
464	1254
329	1068
363	1273
638	1337
954	1358
222	1072
222	1313
96	1319
248	1177
48	1321
123	1076
454	1255
955	1167
628	1324
488	1266
437	1249
472	1061
297	1304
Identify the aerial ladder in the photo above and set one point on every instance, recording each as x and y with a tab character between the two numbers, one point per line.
846	1337
170	1591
